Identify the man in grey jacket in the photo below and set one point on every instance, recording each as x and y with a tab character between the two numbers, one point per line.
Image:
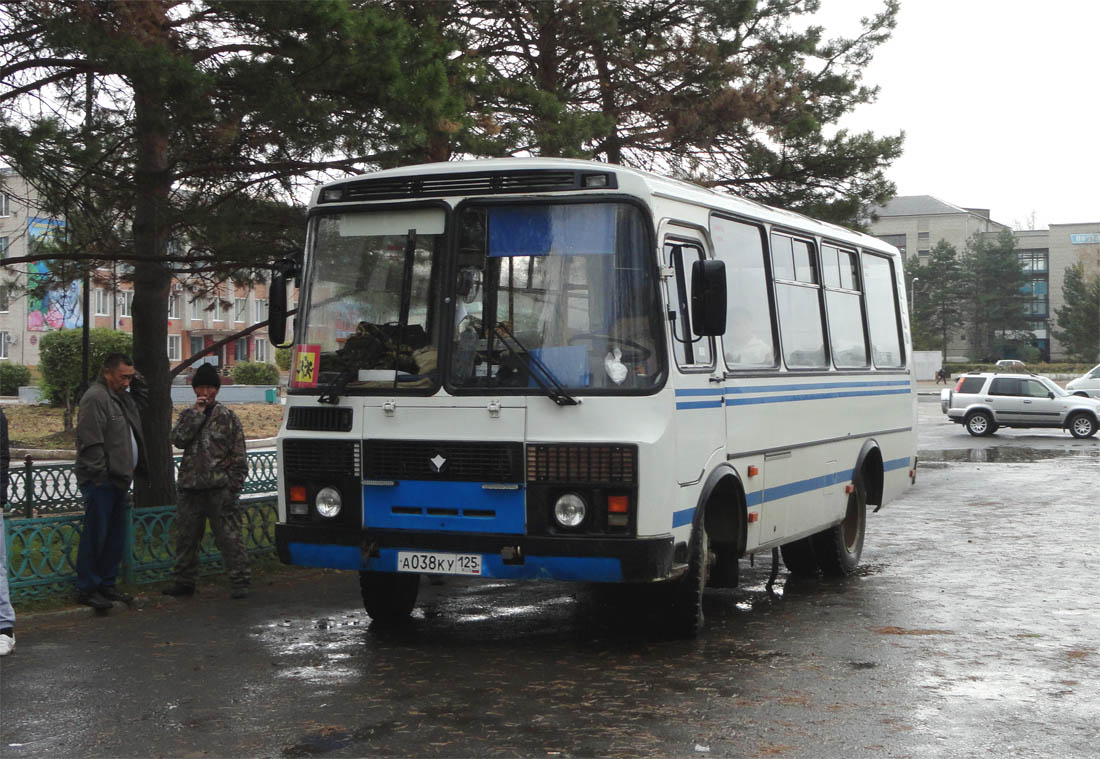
109	451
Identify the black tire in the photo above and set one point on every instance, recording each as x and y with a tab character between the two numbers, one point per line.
799	558
838	548
685	618
1081	425
389	597
980	424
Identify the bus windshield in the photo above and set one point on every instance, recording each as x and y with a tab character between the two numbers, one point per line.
560	295
543	298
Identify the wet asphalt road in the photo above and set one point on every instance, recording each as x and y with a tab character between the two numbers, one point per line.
973	629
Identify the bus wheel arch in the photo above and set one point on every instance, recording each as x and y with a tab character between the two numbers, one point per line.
725	518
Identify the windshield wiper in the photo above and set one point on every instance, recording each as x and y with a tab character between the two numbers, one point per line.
331	392
553	389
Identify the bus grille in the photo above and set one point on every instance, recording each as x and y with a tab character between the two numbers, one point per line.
594	464
442	461
319	419
321	457
473	183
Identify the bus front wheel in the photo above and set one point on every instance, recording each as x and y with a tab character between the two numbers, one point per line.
686	613
838	548
388	597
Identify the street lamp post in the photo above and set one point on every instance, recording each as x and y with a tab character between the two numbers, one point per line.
913	304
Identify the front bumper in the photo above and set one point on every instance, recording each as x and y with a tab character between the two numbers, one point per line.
513	557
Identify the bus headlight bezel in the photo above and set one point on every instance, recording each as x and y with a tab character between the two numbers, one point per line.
328	502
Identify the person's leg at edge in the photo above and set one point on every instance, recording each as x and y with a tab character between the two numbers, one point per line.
7	613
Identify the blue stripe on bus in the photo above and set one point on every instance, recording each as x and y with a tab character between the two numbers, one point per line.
682	517
814	386
589	568
756	498
809	397
592	569
700	404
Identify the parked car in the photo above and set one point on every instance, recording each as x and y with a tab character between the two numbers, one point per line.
986	401
1087	384
1011	365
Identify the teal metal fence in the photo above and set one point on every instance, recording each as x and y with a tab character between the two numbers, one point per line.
42	550
43	489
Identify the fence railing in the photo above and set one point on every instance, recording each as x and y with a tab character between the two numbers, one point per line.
42	550
43	489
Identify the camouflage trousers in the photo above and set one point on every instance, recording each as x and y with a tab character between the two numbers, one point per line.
220	506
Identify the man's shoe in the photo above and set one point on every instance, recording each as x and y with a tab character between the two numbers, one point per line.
239	593
94	599
114	594
7	643
179	590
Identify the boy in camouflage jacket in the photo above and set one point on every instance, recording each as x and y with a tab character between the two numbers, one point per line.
211	476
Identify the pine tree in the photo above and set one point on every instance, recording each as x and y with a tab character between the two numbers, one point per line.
145	122
1079	319
993	281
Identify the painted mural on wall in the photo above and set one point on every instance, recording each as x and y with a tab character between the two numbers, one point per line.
59	308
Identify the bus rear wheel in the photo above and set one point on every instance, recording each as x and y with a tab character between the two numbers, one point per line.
389	597
838	548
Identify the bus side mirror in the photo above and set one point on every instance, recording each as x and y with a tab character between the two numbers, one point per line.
708	297
276	308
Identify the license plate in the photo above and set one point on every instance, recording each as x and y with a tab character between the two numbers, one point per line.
439	563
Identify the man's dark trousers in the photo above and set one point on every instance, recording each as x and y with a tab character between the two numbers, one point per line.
103	539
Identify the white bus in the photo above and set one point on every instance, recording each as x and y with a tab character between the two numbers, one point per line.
541	369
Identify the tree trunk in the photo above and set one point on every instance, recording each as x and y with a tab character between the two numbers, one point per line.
152	280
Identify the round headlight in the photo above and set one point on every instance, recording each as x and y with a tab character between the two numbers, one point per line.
328	502
570	510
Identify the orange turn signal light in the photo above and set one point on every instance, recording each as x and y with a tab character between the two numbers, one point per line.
753	470
618	504
298	493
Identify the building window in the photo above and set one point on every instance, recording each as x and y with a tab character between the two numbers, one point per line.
196	344
259	349
5	204
240	351
4	339
196	309
125	302
219	312
99	301
3	247
240	309
1033	260
174	347
898	241
173	306
260	311
5	299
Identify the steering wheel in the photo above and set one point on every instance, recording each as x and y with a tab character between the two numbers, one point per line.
639	352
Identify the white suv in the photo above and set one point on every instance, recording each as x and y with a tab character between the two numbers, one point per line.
985	401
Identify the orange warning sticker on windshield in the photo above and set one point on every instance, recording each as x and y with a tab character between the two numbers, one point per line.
306	360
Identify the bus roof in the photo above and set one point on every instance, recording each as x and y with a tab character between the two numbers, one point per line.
635	181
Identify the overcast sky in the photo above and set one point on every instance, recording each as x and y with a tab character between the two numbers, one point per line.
999	101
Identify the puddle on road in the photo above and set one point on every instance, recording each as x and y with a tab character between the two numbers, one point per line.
1005	454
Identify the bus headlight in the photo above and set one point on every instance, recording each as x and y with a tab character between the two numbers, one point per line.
328	502
570	510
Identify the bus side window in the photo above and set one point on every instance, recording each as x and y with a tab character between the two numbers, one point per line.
798	301
749	342
882	311
690	350
843	305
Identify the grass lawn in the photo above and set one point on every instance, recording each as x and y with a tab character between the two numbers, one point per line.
42	426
